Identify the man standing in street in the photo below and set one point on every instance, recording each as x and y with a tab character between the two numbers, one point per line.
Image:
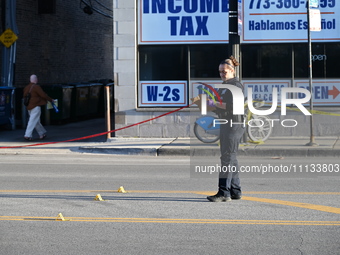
230	135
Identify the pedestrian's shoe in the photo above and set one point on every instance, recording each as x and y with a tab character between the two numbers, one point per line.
42	137
218	198
236	197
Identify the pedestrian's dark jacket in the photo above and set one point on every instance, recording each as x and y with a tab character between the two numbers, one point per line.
227	97
38	96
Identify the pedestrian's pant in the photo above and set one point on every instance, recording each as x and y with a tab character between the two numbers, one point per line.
229	181
34	122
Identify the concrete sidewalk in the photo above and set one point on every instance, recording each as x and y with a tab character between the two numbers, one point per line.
274	147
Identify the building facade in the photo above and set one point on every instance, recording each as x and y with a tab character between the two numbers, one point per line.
163	49
60	43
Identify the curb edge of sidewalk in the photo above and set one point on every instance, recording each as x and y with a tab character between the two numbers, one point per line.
163	151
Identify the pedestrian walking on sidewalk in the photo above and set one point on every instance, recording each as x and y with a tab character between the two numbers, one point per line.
37	99
230	135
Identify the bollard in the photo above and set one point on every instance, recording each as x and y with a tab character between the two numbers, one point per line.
108	112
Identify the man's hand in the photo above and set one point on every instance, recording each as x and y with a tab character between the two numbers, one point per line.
211	103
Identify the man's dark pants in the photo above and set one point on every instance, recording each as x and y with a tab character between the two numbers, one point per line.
229	181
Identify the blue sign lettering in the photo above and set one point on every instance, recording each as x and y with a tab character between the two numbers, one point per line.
173	8
202	25
319	92
189	6
183	21
173	25
210	6
170	94
187	25
152	93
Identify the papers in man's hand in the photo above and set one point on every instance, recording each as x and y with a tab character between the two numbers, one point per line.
198	101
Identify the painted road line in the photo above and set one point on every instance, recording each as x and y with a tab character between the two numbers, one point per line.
295	204
174	221
290	203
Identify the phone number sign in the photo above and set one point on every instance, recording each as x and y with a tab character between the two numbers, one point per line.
163	93
267	21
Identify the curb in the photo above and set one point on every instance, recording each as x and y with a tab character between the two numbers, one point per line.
120	151
290	152
246	152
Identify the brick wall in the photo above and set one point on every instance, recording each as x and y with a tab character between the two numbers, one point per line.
68	46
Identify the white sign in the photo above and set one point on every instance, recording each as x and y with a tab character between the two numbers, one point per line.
163	93
325	92
264	89
286	21
315	20
183	21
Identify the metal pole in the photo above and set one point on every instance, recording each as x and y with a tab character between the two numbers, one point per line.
9	54
108	115
310	68
234	42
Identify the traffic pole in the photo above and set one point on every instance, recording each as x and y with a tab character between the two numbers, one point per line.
234	42
108	112
310	69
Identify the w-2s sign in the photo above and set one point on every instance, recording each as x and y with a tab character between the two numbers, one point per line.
162	93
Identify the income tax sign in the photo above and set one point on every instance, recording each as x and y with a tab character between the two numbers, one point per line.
183	21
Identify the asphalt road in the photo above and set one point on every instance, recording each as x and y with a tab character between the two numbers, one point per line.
165	210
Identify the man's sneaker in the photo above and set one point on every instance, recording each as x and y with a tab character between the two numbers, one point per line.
218	198
236	197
